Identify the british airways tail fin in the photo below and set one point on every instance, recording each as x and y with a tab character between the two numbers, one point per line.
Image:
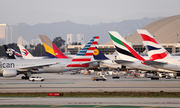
124	50
25	53
12	52
154	49
51	48
85	54
98	55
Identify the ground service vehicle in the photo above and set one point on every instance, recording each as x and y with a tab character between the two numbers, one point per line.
33	78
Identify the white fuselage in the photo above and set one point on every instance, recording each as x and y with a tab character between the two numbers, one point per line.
172	63
58	65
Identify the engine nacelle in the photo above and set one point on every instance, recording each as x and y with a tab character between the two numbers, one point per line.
9	72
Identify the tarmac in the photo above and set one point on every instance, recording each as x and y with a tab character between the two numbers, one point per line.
83	83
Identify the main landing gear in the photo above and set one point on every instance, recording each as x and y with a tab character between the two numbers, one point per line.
26	75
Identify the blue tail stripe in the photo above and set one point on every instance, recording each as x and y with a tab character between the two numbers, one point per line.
80	54
85	48
50	55
152	48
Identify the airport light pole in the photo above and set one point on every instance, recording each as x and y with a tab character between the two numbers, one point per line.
177	36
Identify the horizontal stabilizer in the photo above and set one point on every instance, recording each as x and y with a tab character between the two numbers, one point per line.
154	63
123	61
89	62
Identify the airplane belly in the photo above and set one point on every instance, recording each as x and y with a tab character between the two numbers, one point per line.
115	66
54	68
169	67
140	66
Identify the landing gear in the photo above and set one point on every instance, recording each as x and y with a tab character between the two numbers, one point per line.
25	77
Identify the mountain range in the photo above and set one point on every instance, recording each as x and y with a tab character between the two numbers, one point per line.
56	29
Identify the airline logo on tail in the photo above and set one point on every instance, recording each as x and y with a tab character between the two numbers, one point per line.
12	52
98	55
85	54
9	52
25	52
123	48
96	52
155	50
51	48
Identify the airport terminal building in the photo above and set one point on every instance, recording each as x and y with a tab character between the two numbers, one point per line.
166	31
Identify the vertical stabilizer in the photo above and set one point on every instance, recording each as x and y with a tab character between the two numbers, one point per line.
51	48
154	49
125	51
85	54
25	53
9	52
98	55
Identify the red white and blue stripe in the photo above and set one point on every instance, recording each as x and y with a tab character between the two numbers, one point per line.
154	49
85	54
16	52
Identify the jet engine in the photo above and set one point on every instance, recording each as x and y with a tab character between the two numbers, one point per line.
9	72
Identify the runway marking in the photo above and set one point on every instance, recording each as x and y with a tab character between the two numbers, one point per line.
101	106
84	106
34	83
57	105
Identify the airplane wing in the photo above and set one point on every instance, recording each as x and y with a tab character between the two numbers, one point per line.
123	61
37	66
154	63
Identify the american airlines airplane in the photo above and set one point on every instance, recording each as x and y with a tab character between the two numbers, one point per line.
13	67
159	56
128	56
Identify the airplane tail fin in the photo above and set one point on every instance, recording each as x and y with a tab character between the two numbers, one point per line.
98	55
125	51
25	53
85	54
51	48
154	49
11	52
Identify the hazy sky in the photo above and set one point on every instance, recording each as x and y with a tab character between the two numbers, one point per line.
84	11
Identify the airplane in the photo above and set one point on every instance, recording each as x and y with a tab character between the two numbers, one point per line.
108	60
128	56
104	61
13	67
51	49
159	56
12	53
26	54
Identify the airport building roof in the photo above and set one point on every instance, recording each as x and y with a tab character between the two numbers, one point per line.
165	31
